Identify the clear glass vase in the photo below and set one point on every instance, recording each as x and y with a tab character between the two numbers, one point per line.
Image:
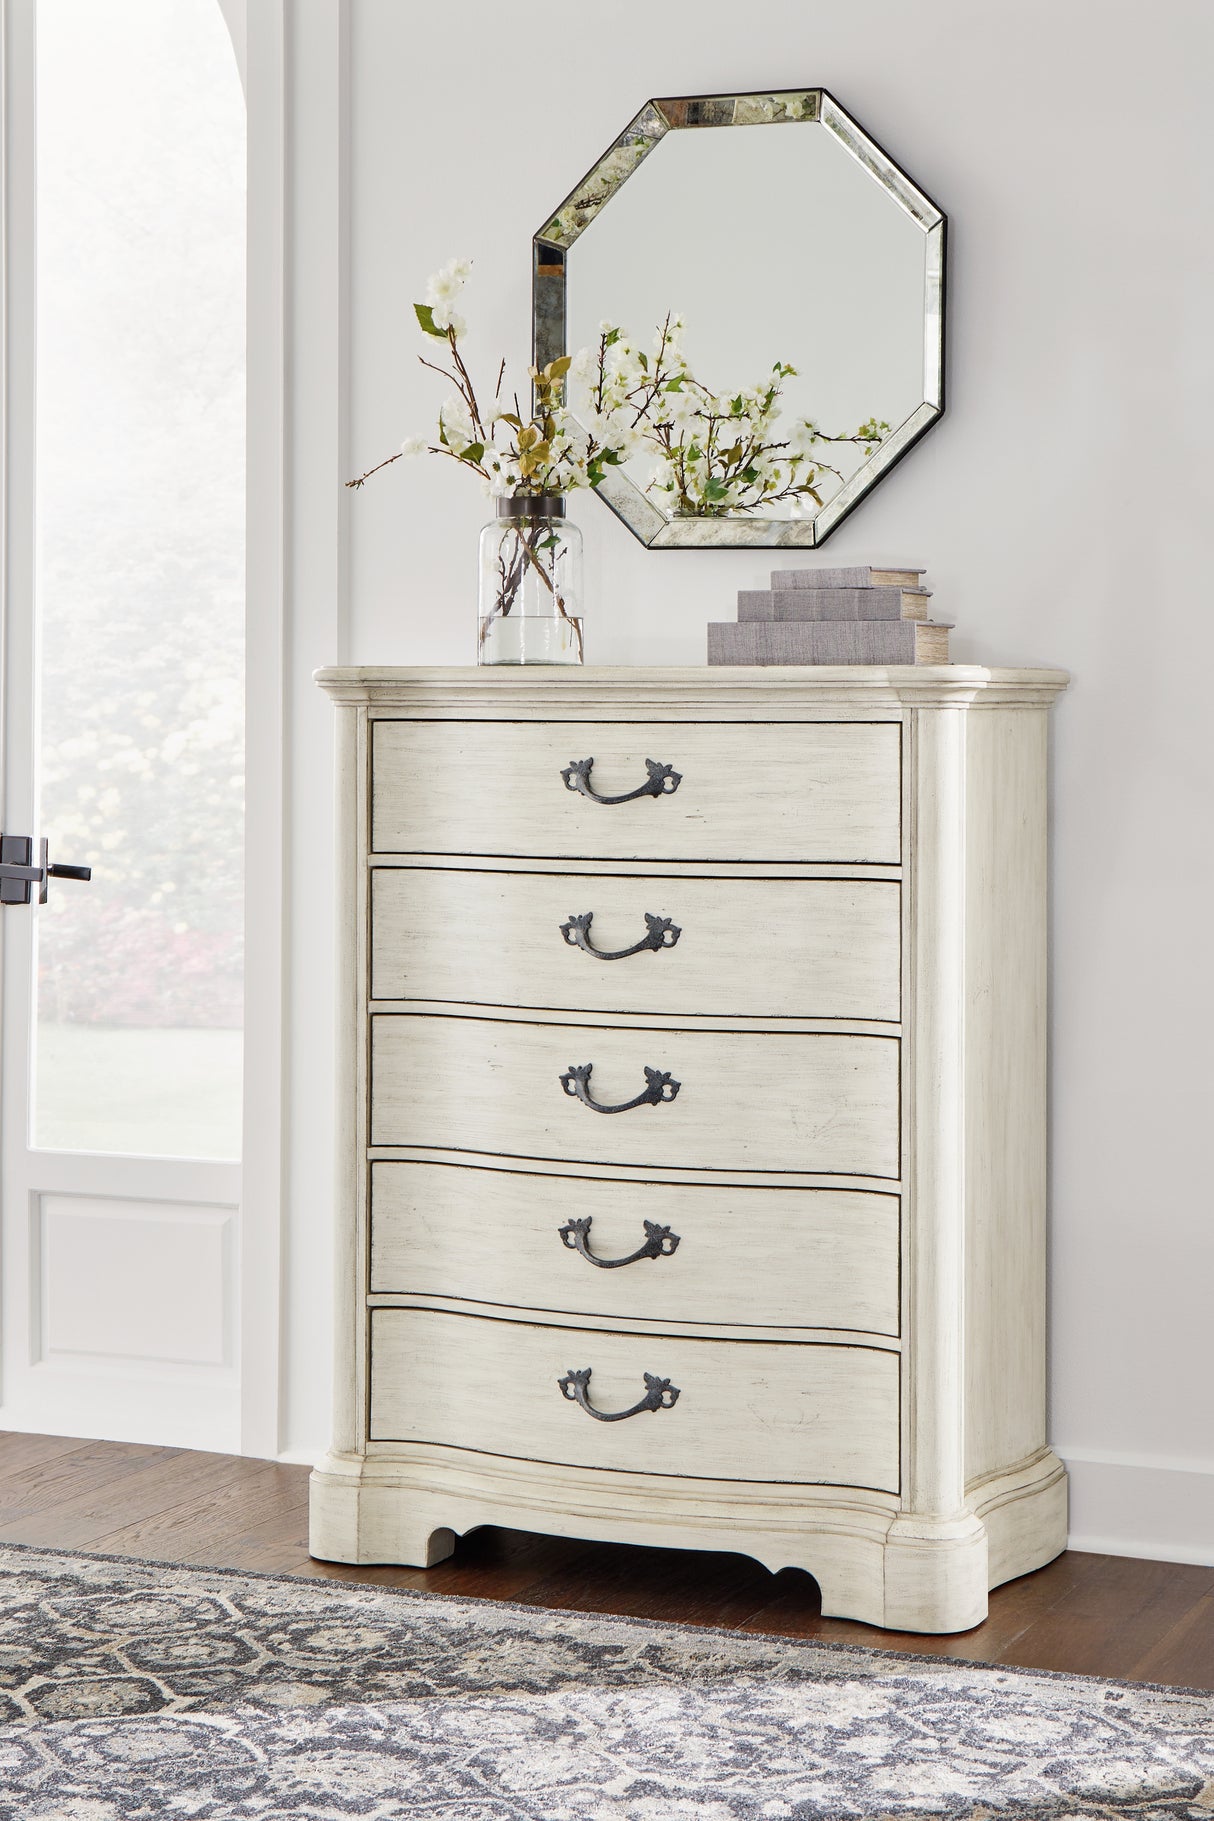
530	584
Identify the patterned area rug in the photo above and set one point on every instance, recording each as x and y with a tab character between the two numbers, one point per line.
135	1690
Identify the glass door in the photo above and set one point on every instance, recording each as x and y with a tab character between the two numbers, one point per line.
124	689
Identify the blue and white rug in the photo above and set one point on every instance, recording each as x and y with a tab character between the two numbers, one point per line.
134	1690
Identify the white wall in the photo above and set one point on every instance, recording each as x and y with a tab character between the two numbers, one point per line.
1062	507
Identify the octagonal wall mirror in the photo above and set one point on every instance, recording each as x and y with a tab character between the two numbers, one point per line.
795	240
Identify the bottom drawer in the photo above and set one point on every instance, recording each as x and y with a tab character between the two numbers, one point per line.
746	1410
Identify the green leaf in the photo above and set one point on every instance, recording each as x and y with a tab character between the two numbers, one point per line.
643	363
548	543
475	452
674	385
425	316
559	368
715	489
612	336
735	405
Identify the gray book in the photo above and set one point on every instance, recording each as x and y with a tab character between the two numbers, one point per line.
833	603
828	642
861	576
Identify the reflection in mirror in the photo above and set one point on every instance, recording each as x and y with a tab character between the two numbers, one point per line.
801	262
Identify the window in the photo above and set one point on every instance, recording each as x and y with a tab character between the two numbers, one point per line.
140	505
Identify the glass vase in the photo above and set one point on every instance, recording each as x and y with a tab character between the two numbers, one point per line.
530	584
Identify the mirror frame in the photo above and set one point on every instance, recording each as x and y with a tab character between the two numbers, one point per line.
550	247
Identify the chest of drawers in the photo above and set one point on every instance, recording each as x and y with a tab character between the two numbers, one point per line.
692	1121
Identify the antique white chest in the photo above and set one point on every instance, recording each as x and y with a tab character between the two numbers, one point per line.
692	1121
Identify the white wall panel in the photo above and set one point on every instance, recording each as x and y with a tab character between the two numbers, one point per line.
145	1283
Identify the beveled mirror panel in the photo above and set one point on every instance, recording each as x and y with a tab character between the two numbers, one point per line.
795	240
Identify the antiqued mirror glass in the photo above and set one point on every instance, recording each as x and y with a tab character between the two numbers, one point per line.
791	254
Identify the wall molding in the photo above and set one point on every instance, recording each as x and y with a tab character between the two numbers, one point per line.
261	1242
1145	1506
315	452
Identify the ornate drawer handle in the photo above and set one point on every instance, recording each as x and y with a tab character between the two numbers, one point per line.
660	1394
660	1242
663	781
660	933
660	1085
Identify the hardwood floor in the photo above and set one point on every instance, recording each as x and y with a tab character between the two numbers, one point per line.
1093	1614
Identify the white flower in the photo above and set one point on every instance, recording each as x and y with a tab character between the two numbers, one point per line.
414	445
444	317
457	426
503	471
804	434
680	409
444	287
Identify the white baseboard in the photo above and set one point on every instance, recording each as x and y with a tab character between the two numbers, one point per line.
300	1457
1151	1508
1155	1509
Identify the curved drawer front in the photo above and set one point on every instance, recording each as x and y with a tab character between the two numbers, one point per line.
779	1258
746	1410
813	791
746	1101
761	948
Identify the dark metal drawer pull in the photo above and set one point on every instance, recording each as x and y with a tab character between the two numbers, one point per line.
660	1394
660	1242
660	1085
663	781
660	933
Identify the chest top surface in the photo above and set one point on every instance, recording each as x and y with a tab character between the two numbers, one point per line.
740	693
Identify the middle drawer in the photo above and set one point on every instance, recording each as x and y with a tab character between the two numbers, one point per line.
767	1257
809	1102
674	944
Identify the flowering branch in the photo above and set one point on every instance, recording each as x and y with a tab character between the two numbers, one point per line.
547	452
716	454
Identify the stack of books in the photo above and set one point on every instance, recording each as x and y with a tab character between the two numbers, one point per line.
833	616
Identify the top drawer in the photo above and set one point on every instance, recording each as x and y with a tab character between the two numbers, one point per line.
783	791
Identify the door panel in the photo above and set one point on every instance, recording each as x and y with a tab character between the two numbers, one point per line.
123	703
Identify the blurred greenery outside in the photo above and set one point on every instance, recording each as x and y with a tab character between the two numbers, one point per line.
140	491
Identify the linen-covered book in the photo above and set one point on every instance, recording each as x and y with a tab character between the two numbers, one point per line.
878	603
828	642
861	576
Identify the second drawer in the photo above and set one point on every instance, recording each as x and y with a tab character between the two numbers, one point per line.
743	1257
762	948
